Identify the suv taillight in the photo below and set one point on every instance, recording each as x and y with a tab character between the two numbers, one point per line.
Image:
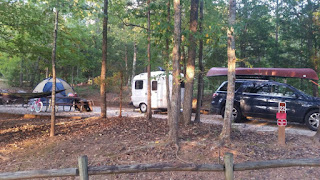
214	95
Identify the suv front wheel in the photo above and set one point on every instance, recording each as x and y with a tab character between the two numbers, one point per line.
312	119
236	114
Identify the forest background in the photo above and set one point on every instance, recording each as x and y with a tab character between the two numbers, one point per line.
268	34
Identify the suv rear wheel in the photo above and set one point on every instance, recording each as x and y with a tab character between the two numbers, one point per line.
236	114
312	119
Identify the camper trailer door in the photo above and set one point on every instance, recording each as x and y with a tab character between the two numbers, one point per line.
154	94
139	92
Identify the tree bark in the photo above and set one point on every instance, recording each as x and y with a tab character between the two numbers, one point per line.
243	41
72	76
126	63
149	112
47	71
134	60
316	60
21	73
35	72
120	95
226	130
316	137
53	90
190	70
310	36
183	59
176	92
201	68
277	35
104	61
168	65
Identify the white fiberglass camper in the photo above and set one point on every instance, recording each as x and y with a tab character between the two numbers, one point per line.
158	90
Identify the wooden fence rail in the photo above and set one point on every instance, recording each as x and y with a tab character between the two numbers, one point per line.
84	170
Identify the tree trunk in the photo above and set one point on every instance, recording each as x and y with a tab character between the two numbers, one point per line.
190	70
72	76
168	65
149	112
226	130
277	35
244	37
316	60
176	93
21	73
126	63
47	71
134	60
53	95
77	73
183	59
34	73
104	61
310	38
317	135
37	76
120	95
201	68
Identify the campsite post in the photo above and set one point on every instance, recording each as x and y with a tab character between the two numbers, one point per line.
282	122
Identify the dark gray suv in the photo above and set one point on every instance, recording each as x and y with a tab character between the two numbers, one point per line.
260	99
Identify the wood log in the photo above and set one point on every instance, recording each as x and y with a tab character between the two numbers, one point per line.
228	165
160	167
276	164
83	167
40	174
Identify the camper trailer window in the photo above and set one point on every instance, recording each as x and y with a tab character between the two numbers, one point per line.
154	85
139	84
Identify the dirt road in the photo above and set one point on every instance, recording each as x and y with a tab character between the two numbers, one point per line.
252	125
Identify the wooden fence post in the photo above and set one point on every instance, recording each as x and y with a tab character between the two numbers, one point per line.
83	167
228	166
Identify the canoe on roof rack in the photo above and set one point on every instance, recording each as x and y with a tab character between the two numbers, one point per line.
303	73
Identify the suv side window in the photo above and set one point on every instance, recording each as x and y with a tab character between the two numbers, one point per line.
224	87
281	90
257	88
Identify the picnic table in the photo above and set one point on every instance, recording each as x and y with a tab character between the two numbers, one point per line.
76	103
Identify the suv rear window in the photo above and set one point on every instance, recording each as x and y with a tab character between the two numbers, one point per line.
224	87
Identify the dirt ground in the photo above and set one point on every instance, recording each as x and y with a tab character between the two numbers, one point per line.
25	145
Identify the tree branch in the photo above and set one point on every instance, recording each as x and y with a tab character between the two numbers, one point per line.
134	25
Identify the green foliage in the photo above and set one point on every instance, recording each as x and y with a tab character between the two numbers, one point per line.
26	29
8	68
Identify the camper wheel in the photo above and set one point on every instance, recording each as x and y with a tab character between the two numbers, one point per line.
143	107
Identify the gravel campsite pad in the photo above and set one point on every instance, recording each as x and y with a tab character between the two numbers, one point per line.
25	145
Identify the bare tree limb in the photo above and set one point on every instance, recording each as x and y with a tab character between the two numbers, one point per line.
133	25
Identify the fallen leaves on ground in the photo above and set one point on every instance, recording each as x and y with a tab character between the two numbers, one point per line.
26	145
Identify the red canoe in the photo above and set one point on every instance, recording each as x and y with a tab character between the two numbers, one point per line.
305	73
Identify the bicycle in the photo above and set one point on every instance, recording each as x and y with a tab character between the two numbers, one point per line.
36	105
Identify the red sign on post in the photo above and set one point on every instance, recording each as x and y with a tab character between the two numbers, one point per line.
282	107
282	115
282	122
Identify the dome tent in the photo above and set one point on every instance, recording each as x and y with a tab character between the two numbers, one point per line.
66	98
46	86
